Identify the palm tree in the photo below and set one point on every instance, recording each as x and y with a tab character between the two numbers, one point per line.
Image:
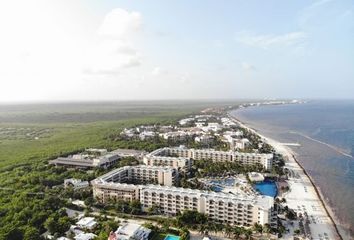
228	230
266	229
237	231
219	227
248	234
202	228
258	228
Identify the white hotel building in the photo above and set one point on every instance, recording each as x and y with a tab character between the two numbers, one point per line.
222	207
180	154
160	157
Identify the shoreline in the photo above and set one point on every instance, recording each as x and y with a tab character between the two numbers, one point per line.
292	160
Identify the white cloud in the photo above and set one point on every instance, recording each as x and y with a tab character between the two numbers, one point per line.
269	41
158	71
314	9
120	23
247	67
116	50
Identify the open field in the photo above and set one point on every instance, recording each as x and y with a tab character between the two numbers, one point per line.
37	132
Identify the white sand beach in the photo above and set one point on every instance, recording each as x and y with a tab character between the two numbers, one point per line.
302	196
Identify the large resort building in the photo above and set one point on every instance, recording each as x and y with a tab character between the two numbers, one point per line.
90	158
161	168
180	157
142	174
222	207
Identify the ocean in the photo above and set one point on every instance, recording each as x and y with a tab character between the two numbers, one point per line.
325	131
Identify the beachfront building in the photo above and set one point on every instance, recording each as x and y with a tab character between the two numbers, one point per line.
90	158
234	209
222	207
216	156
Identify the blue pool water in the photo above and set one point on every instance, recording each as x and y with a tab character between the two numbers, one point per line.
171	237
267	188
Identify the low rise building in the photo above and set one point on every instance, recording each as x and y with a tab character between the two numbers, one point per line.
239	143
85	236
130	231
75	183
129	153
204	139
185	121
91	158
175	136
88	223
147	135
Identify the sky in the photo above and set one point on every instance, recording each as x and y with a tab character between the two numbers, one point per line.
92	50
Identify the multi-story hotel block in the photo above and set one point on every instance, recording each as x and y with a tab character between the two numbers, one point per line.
178	153
159	158
221	207
161	168
119	183
141	174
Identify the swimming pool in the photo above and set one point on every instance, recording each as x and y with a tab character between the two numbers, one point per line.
267	187
171	237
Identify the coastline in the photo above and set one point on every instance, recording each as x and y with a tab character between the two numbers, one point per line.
295	197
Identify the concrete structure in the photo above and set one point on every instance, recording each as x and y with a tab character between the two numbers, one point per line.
129	153
130	231
91	158
235	209
185	121
85	236
221	207
141	174
75	183
118	184
147	135
87	223
159	158
217	156
256	177
204	139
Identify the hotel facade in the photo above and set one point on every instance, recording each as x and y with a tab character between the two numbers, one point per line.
225	208
178	156
161	157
